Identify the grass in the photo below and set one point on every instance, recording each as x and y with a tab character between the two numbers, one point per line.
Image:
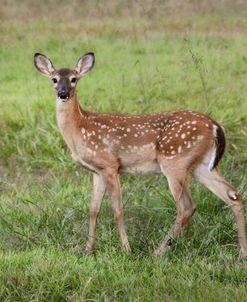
146	61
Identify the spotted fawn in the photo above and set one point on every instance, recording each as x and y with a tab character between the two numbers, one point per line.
179	145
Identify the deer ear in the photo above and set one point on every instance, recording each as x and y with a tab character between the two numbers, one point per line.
43	64
85	63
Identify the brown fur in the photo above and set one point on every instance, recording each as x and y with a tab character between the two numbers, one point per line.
176	144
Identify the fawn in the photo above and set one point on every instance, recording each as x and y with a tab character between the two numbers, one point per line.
177	144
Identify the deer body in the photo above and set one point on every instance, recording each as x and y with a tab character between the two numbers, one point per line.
134	144
176	144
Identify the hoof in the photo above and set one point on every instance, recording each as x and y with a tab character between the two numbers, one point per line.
243	254
88	251
127	249
159	252
80	251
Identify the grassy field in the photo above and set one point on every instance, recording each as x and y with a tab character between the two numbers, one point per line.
150	56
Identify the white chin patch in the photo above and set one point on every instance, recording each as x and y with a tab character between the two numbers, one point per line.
63	100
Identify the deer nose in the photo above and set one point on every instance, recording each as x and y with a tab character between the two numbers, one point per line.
63	94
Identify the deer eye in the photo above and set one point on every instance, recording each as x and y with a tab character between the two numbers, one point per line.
54	80
73	80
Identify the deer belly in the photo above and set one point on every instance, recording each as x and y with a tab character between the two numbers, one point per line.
144	168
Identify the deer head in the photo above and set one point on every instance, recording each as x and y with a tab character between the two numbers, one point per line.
64	80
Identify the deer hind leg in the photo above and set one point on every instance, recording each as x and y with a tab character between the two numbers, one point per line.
185	209
219	186
112	182
98	194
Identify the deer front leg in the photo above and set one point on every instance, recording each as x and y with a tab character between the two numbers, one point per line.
113	188
98	194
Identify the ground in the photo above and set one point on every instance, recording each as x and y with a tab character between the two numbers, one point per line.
150	56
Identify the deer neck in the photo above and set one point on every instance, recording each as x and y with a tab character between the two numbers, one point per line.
70	117
69	113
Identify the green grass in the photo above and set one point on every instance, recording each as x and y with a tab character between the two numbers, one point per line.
146	61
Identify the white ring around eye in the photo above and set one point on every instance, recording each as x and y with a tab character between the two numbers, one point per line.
55	80
73	81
